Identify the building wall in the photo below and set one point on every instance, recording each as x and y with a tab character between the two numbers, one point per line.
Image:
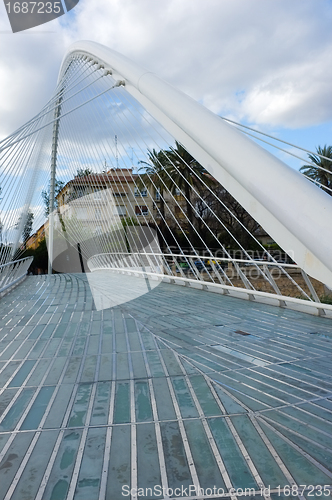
37	237
103	199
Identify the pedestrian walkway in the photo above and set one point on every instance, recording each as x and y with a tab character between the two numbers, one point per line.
175	390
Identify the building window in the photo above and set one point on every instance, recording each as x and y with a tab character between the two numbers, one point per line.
157	194
143	192
80	192
97	214
119	210
97	194
141	210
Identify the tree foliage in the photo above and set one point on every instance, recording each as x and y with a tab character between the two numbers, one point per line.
27	226
212	213
315	172
177	171
224	216
46	196
155	175
83	172
40	257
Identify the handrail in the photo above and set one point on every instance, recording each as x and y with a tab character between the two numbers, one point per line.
213	273
207	257
15	262
12	272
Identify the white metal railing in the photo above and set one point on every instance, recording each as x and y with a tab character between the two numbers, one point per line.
12	272
254	279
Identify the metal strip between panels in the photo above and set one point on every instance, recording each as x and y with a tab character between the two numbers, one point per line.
77	381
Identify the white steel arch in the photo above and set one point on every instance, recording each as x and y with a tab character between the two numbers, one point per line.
294	212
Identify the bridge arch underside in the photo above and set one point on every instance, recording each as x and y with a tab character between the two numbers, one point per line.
176	388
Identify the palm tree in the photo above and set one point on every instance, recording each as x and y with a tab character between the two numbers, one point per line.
315	173
185	173
155	175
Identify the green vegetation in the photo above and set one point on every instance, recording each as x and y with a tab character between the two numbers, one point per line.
27	226
129	221
83	172
212	214
186	173
46	196
323	177
156	176
40	256
326	299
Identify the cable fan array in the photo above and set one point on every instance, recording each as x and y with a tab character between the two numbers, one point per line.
126	195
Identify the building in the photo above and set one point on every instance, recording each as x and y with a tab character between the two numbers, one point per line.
98	201
35	239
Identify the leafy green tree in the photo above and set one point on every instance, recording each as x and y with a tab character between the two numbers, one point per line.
46	196
83	172
40	256
185	173
315	173
128	222
221	212
155	175
27	228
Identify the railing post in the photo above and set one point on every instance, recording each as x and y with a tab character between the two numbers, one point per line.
310	286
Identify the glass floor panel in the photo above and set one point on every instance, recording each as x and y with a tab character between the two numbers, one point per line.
176	393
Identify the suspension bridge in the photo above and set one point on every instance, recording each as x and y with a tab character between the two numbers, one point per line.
179	345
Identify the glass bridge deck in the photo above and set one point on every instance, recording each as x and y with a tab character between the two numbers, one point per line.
175	390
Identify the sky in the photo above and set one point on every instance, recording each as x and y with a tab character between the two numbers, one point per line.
265	63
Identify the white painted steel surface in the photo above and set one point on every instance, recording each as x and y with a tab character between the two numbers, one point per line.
293	211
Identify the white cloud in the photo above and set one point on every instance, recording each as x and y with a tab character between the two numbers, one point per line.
266	62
